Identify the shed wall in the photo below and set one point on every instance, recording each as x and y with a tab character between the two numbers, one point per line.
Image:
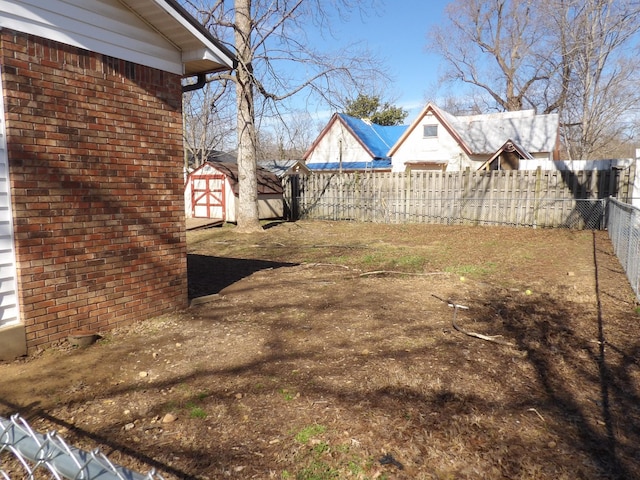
95	163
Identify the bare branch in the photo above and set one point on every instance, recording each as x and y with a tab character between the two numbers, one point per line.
574	57
276	62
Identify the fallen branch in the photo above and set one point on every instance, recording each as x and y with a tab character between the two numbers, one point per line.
536	412
395	272
488	338
327	265
335	246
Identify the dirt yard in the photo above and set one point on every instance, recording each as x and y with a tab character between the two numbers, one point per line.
321	350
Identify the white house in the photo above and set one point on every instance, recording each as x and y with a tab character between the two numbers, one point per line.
349	144
439	140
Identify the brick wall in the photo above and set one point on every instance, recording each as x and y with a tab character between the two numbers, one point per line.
95	161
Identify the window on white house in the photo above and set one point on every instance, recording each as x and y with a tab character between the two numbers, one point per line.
430	131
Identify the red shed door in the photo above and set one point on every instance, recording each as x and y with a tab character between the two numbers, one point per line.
208	196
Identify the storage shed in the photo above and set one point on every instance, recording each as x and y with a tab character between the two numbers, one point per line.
211	191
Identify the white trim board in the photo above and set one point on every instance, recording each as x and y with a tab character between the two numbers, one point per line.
102	26
9	311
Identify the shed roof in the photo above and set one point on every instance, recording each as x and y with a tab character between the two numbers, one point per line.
268	182
284	167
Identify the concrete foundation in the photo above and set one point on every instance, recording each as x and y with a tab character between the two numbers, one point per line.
13	342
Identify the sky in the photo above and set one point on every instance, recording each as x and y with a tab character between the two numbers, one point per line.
397	33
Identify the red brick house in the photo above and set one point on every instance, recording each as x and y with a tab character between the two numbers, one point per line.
92	223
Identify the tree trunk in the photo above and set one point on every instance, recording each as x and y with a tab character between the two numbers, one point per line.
248	219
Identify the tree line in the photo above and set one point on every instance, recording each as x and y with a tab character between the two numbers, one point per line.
577	58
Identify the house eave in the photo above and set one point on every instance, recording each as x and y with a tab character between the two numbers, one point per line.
155	33
200	51
430	108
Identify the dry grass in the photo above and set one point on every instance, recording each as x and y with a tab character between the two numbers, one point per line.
304	368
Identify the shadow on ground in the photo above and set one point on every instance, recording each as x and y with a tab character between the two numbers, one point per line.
208	274
373	360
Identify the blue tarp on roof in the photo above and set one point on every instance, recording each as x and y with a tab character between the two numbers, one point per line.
378	138
335	166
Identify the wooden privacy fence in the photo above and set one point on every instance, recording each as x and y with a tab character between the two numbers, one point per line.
542	198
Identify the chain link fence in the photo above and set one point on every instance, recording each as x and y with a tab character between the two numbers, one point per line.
623	225
27	454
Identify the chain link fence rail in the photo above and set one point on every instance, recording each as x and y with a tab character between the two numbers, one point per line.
27	454
623	225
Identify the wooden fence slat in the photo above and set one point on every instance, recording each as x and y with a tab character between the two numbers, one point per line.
533	198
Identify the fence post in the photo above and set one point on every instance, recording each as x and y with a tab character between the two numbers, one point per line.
536	196
407	196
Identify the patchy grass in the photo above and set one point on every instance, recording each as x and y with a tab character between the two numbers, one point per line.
304	435
301	367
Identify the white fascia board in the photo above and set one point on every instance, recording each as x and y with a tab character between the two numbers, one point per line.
78	33
196	55
218	55
90	44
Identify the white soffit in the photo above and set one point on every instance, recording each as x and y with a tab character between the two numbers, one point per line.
113	28
200	52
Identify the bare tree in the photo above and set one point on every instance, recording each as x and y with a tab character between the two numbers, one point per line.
288	139
574	57
276	60
495	45
208	122
604	74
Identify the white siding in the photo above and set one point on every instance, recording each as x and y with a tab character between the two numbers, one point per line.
338	143
417	148
9	314
103	26
545	163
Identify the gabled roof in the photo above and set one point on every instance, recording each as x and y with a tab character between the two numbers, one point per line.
268	182
486	133
509	146
445	119
375	139
213	156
